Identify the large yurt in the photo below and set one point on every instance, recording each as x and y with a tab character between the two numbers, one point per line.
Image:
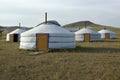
87	34
107	34
47	35
14	36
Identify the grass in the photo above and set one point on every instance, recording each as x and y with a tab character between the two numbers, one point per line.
89	61
61	66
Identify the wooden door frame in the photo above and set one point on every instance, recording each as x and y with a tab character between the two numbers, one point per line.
108	37
85	37
13	38
17	36
37	39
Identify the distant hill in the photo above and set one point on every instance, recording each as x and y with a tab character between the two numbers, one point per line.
11	28
97	27
81	24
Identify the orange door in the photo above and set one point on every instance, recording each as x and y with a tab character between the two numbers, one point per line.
107	36
87	37
42	42
11	37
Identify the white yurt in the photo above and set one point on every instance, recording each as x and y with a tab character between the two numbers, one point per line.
87	34
14	36
107	34
47	35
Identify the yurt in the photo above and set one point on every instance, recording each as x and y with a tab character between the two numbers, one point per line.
47	35
107	34
87	34
14	36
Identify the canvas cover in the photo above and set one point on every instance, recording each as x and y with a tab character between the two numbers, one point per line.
103	31
58	37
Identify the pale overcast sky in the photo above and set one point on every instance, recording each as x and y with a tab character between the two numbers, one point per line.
31	12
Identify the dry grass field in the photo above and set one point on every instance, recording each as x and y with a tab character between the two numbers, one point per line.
89	61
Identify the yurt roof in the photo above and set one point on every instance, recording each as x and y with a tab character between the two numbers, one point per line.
17	31
86	30
105	31
46	28
50	22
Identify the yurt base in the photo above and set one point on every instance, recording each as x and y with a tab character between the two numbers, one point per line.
34	51
38	52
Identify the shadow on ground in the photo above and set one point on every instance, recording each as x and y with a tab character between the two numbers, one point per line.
87	50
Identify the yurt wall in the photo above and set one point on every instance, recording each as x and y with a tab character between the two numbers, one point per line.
55	40
62	40
79	37
95	37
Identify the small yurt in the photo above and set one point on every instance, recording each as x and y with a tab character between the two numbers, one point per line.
47	35
14	36
107	34
87	34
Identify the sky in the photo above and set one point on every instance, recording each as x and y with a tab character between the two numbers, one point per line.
31	12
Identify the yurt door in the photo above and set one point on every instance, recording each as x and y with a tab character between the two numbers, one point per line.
14	37
42	42
11	37
107	36
87	37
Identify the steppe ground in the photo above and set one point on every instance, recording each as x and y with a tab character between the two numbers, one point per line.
89	61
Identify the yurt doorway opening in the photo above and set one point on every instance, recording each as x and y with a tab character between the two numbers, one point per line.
107	36
87	37
14	37
42	42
